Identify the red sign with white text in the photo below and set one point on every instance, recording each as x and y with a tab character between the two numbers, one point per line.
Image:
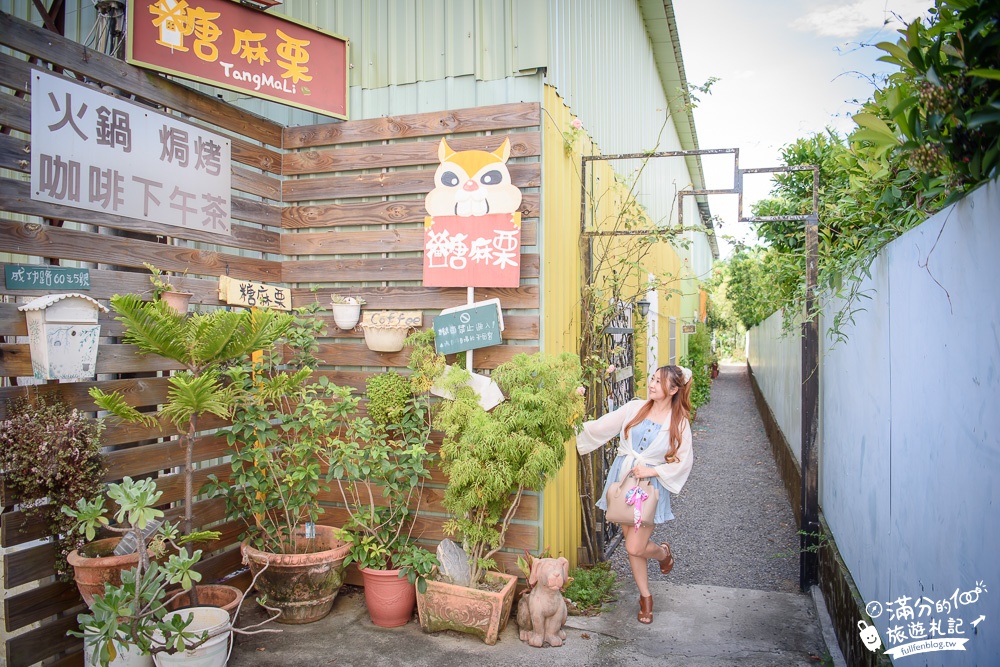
224	44
472	251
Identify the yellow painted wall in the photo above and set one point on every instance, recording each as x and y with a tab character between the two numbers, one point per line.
665	260
559	231
559	234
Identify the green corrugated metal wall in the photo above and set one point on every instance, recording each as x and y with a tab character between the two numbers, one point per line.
407	56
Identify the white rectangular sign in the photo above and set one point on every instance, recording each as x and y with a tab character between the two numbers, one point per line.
97	152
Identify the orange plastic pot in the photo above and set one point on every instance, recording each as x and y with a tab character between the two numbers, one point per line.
389	597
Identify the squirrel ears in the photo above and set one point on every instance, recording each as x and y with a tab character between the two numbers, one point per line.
502	153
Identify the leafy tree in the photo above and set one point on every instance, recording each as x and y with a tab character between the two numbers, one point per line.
204	344
749	289
927	137
940	113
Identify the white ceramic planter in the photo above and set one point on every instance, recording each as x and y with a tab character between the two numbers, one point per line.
346	315
214	652
128	656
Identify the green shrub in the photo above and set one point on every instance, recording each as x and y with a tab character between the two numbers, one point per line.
699	359
387	396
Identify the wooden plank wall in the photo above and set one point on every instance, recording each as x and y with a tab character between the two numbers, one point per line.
334	208
38	610
353	225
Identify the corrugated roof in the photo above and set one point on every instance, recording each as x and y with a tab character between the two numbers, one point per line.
43	302
661	26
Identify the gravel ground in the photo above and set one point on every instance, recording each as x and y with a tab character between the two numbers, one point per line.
733	520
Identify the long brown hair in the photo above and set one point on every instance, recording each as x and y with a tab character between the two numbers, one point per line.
680	405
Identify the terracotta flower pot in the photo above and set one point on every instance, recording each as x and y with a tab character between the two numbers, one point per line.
95	565
177	300
302	585
482	613
224	597
389	597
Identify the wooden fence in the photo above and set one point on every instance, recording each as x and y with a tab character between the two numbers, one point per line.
333	208
353	225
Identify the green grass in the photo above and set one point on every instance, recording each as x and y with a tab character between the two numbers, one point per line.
591	588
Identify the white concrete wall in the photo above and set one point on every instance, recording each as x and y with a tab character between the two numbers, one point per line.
910	419
776	360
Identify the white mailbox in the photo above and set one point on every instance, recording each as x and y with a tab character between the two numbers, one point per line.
63	334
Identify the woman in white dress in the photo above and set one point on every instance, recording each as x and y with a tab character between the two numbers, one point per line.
655	443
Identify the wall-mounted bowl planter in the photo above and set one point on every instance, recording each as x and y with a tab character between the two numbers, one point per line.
385	330
381	338
346	315
177	300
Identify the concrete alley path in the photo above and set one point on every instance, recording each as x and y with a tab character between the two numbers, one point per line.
733	524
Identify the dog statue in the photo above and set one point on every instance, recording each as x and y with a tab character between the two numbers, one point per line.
541	613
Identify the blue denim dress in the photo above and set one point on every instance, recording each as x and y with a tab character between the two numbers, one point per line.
641	434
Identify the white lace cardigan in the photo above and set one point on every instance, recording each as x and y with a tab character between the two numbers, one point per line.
595	433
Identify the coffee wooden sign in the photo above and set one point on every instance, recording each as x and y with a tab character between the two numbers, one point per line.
392	318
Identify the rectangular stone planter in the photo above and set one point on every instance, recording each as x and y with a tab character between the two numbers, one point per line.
482	613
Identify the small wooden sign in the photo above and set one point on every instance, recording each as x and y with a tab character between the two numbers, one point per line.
392	318
689	328
254	295
35	277
468	327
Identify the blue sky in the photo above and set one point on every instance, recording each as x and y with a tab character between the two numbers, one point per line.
786	69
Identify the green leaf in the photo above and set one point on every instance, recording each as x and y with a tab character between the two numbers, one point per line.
952	51
874	123
895	50
876	138
985	73
982	118
116	405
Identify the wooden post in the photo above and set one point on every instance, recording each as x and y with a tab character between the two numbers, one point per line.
809	528
470	299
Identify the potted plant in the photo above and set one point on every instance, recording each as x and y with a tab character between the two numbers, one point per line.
346	311
384	334
164	290
520	444
380	469
279	435
130	617
48	451
205	344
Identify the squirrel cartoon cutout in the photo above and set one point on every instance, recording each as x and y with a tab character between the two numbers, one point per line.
472	183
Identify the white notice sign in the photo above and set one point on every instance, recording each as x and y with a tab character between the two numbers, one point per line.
93	151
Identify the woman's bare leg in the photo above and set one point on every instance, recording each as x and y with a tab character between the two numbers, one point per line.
640	549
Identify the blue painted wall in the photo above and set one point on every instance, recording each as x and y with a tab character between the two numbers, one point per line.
910	433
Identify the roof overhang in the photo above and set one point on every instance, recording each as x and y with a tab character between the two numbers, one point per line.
661	26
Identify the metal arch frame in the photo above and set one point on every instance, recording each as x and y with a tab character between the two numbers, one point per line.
809	527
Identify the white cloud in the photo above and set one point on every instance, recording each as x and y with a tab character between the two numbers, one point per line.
836	19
